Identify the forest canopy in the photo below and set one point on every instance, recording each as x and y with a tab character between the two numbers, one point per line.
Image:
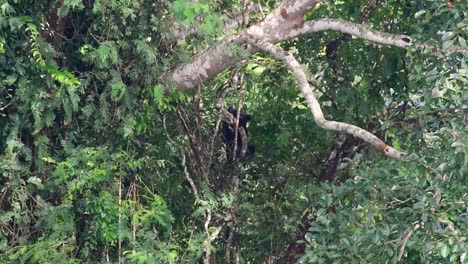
237	131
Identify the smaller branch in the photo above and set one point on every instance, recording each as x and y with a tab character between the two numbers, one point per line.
183	162
222	110
195	148
367	33
212	146
224	93
163	117
448	223
198	102
235	222
7	105
245	13
220	100
371	6
231	119
240	132
330	169
451	226
189	179
404	239
260	8
435	51
437	194
358	30
210	237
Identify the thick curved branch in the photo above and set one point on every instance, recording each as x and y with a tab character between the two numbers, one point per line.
314	105
358	30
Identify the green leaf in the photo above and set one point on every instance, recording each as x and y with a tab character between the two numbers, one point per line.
73	3
419	13
129	127
256	69
106	53
118	90
85	49
158	93
396	144
447	36
135	219
63	77
447	44
49	160
376	236
35	181
462	42
445	250
10	79
212	24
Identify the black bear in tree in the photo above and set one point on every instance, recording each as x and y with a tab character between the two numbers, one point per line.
229	135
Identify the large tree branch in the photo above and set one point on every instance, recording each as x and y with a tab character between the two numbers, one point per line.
215	59
284	23
314	105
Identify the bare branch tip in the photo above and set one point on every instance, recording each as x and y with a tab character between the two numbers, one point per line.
393	153
407	39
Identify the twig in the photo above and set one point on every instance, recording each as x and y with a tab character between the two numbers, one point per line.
189	179
236	128
245	12
210	237
183	163
404	239
435	51
7	105
192	145
213	140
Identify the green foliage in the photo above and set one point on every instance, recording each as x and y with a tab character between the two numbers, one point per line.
371	212
106	54
164	100
189	11
91	138
66	93
186	11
